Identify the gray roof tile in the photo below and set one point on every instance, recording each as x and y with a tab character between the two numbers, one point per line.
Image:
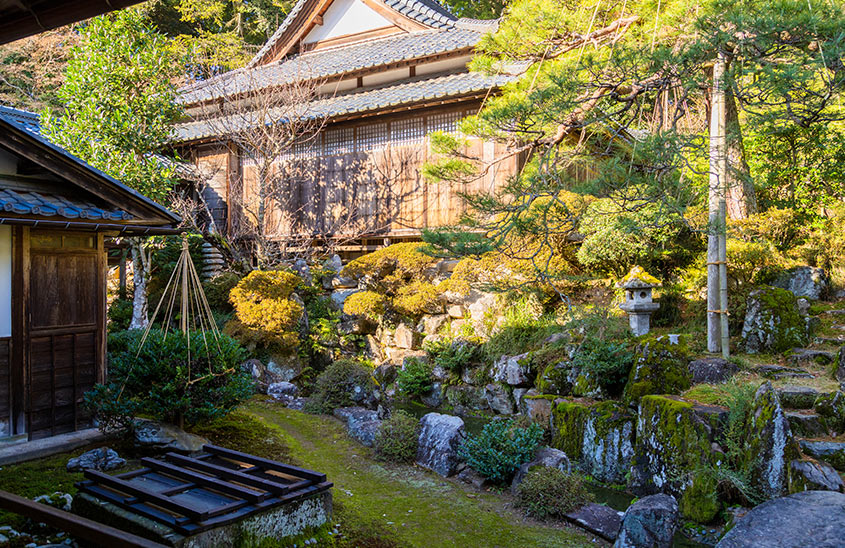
336	61
52	205
405	92
427	12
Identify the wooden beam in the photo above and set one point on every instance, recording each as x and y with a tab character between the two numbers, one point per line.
37	17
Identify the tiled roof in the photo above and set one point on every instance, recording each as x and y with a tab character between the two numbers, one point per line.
337	61
427	12
51	205
359	101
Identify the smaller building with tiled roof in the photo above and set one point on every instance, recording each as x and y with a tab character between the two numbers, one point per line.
379	75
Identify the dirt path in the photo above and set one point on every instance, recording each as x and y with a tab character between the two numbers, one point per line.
420	508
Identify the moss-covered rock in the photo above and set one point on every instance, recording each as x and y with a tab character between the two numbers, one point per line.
660	367
674	453
773	322
768	444
832	408
554	379
597	436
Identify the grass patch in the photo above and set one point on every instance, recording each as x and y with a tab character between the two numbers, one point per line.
244	432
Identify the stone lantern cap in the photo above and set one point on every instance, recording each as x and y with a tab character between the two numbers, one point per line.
638	278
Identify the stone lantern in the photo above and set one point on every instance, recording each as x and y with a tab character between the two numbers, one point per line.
639	304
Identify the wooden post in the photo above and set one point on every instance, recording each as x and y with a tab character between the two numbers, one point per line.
121	275
716	197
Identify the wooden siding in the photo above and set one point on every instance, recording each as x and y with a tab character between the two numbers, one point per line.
6	427
358	179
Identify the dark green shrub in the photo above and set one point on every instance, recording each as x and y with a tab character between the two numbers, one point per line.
397	437
119	315
670	313
173	378
501	448
549	492
415	379
606	362
453	355
217	291
338	385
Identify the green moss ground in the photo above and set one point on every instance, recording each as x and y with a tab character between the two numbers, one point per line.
402	505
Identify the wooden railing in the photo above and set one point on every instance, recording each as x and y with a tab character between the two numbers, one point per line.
75	526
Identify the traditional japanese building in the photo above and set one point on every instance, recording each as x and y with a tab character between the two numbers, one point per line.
55	211
388	72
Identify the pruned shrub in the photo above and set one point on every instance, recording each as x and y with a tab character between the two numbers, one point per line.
501	448
174	378
217	291
344	383
415	379
119	315
548	492
416	298
266	316
397	437
368	304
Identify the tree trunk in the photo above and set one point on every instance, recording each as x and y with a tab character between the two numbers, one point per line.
140	275
715	196
741	199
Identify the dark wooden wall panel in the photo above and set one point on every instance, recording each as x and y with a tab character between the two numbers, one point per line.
5	383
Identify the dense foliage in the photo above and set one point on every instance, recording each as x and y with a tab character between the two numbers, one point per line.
171	378
548	492
453	355
396	439
344	383
608	362
501	448
414	379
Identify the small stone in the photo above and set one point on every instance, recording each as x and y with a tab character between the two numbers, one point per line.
651	521
471	477
166	437
598	519
282	390
435	397
102	458
339	296
712	370
405	337
498	399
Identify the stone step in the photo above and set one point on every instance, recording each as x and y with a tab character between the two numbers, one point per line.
836	312
807	356
806	424
831	452
781	372
797	397
829	340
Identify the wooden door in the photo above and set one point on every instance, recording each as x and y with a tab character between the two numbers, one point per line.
65	334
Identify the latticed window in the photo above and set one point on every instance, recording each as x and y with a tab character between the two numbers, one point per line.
446	122
372	137
411	130
339	141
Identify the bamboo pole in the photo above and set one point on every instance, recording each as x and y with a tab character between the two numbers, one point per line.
716	197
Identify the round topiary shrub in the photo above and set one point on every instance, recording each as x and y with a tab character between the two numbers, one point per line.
397	437
415	378
501	448
550	492
266	316
344	383
368	304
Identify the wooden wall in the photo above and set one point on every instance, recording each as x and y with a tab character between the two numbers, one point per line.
360	178
5	386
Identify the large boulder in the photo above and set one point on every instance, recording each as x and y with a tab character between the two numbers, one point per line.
712	370
440	438
545	456
674	443
536	407
773	322
769	445
810	518
102	458
808	475
282	391
162	437
649	522
466	398
806	424
599	519
598	437
513	370
804	281
661	366
405	337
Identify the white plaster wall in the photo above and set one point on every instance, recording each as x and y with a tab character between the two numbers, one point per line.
346	17
5	281
8	163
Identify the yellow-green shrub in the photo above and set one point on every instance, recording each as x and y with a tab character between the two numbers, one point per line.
393	264
266	316
365	303
416	298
